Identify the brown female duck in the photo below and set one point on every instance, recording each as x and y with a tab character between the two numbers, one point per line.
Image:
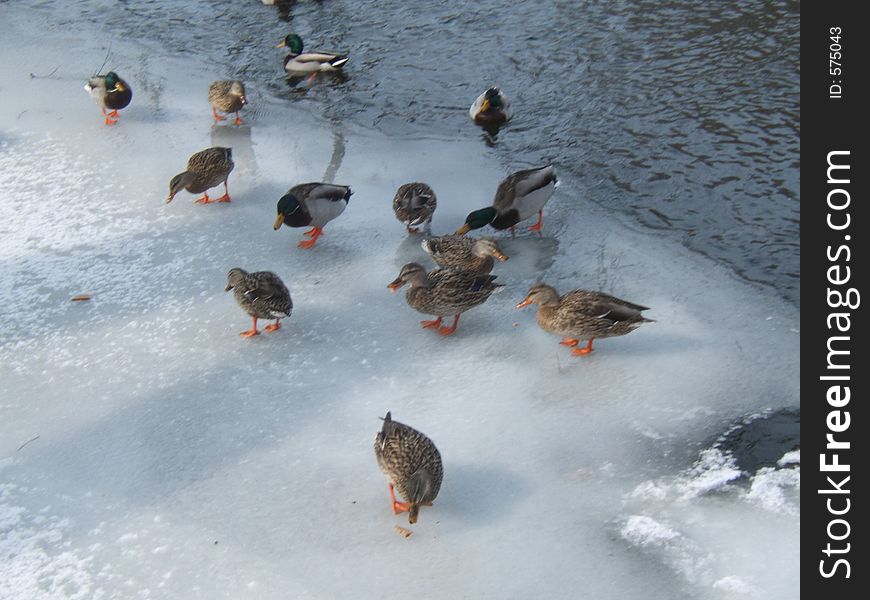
414	204
262	295
205	170
412	465
227	96
443	292
461	252
583	314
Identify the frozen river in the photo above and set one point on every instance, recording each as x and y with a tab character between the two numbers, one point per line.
147	451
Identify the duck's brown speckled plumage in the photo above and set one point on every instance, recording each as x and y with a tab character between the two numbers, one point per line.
261	294
414	204
462	252
444	292
227	96
583	314
410	462
205	170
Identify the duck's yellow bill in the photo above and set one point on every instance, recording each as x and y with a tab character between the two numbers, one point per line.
278	222
463	230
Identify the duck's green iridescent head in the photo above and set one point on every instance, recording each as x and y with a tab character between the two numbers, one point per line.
477	219
493	96
287	205
113	82
293	42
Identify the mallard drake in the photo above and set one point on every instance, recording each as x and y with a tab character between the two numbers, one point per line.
309	62
412	465
460	252
491	108
518	197
109	91
227	96
443	292
583	314
205	170
262	295
414	204
314	204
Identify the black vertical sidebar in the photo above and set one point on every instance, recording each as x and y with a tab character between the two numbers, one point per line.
835	434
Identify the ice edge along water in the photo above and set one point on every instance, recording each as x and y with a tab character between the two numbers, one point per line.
174	459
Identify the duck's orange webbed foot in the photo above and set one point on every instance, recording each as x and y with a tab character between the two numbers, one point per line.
311	232
204	200
315	233
110	117
449	330
430	324
398	507
252	331
226	196
584	350
539	225
238	120
569	342
273	327
217	118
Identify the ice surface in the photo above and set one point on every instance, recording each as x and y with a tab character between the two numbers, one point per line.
147	451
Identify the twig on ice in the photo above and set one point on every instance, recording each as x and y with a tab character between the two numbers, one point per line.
27	442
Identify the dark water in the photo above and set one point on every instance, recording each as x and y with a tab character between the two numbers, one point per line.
761	441
680	115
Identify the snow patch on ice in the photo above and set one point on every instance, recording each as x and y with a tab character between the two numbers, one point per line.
693	523
790	458
734	585
35	562
776	490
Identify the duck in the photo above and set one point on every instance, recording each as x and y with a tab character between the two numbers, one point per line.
298	62
227	96
443	292
412	465
312	204
262	295
583	314
519	196
205	169
110	91
461	252
491	108
414	204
